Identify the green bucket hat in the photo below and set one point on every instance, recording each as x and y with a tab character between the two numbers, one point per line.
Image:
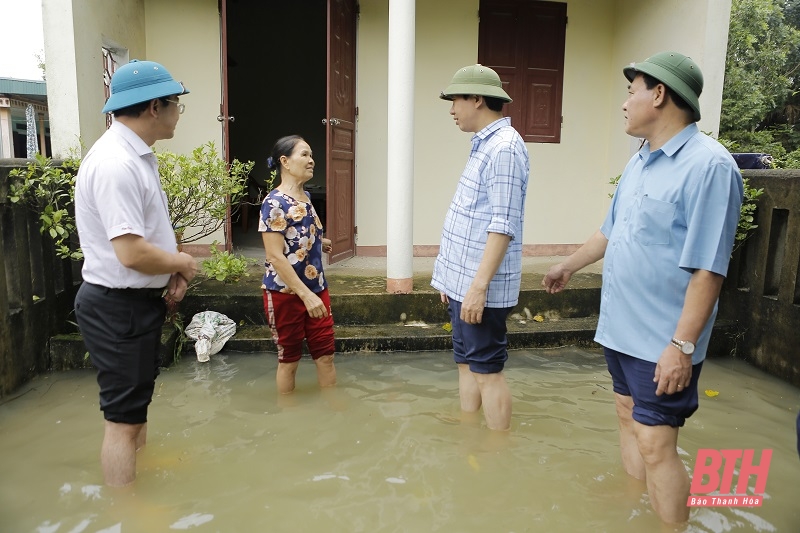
676	71
477	80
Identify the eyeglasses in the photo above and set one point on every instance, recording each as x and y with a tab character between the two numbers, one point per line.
181	107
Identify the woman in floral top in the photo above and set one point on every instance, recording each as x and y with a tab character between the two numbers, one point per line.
296	299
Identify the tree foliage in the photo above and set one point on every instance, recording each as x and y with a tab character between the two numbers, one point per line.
199	188
759	71
49	190
761	94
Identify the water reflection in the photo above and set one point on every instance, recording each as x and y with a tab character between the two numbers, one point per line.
386	450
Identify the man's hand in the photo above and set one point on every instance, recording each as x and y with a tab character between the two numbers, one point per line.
472	306
176	288
673	371
188	266
556	278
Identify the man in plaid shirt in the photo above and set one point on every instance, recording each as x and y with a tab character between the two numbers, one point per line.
479	266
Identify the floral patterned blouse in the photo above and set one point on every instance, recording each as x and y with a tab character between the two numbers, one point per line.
302	246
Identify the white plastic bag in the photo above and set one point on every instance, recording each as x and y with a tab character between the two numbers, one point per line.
210	330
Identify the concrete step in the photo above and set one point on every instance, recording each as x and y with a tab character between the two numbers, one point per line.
352	308
68	351
368	319
422	336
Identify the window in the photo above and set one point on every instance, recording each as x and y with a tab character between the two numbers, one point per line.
523	41
109	67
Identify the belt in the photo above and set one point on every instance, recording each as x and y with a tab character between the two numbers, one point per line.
135	294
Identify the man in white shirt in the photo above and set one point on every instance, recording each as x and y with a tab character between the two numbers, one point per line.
131	261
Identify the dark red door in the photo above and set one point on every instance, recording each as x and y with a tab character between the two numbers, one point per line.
223	116
340	125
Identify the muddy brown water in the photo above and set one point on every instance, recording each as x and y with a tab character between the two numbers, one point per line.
387	450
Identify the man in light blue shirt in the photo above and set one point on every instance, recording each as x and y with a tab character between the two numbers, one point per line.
479	266
666	243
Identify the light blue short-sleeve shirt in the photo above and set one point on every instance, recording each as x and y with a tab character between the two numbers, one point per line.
676	210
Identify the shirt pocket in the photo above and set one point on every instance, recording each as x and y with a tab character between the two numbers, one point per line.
654	222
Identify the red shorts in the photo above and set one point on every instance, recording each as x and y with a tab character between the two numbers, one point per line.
291	324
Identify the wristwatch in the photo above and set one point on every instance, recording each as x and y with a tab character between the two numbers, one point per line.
686	347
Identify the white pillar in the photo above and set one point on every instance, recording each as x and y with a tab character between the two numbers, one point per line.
400	153
6	129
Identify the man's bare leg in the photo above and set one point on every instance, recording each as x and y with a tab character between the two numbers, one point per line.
496	398
326	372
285	377
667	480
468	391
118	453
141	437
631	458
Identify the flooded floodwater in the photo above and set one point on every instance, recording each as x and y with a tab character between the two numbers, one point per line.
387	450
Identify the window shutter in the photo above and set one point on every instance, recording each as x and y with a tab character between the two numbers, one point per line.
523	40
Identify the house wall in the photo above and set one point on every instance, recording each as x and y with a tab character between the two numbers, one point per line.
177	36
173	33
697	29
183	35
75	32
568	189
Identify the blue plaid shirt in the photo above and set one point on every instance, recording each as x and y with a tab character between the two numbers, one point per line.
490	198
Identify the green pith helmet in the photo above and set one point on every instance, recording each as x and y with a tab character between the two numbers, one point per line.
676	71
477	80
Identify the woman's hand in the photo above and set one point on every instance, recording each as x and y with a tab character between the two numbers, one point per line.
327	245
314	305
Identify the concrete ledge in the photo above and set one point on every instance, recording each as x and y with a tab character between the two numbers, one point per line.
67	352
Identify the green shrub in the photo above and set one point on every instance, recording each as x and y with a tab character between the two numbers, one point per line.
50	191
225	266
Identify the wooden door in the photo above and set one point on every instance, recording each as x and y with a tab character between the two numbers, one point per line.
223	116
340	129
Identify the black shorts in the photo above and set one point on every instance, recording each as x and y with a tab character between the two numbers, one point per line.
122	331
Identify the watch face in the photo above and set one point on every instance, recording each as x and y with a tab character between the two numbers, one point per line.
688	347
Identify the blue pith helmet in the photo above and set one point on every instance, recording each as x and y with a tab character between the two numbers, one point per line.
140	81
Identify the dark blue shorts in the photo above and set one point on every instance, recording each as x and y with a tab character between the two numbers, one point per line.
123	335
484	346
634	377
